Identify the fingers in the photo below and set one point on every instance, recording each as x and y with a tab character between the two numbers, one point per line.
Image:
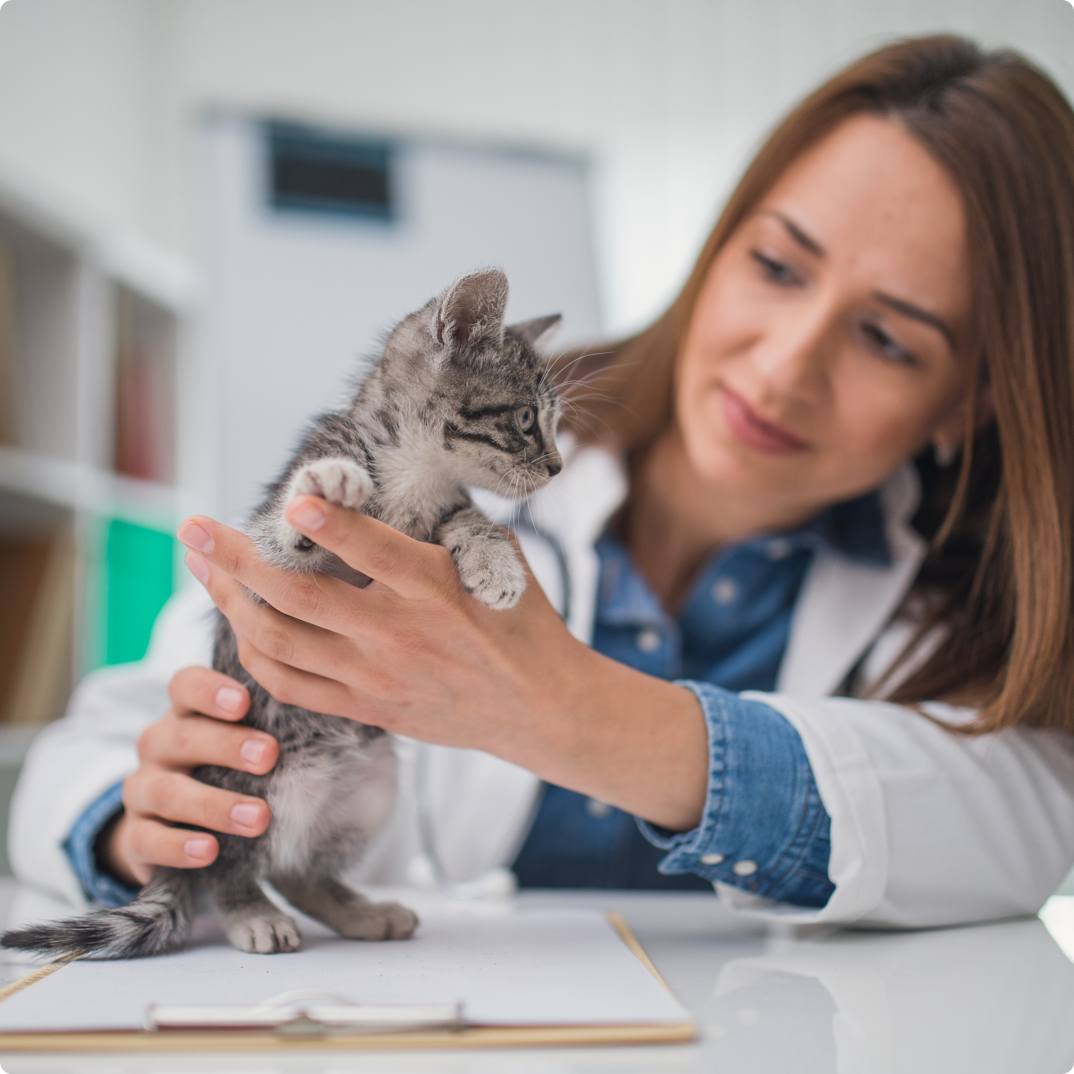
412	568
150	842
201	689
280	637
185	741
160	794
292	686
314	598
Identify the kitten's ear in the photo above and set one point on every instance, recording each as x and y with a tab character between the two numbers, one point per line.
471	310
532	331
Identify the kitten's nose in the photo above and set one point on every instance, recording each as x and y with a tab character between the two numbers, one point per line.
554	467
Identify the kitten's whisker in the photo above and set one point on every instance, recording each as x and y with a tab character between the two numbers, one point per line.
552	367
578	358
612	369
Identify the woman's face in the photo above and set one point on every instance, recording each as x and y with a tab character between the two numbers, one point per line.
836	311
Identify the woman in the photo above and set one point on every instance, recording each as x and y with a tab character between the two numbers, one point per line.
869	646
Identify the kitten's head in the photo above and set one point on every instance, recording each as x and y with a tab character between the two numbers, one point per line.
488	391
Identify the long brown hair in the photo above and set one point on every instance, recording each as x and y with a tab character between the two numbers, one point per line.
998	574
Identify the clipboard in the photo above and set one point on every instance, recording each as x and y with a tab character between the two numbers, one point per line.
311	1019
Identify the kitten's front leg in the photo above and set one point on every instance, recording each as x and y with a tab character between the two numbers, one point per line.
338	480
487	564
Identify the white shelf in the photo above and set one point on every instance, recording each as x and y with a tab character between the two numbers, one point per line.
84	488
156	275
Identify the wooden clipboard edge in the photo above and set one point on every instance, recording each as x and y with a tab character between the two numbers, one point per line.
618	922
255	1041
140	1040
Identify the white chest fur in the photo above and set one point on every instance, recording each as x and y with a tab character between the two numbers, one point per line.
330	806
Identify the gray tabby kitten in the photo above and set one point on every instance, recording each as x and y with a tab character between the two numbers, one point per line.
455	399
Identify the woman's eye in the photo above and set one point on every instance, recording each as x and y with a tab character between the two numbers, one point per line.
887	346
773	270
524	418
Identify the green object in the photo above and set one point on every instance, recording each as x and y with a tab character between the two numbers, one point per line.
138	577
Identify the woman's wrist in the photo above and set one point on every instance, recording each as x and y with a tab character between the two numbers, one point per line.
109	849
632	740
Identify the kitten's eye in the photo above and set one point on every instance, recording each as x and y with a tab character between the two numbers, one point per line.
525	418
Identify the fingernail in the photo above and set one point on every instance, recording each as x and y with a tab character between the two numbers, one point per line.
198	566
308	517
193	536
246	814
198	848
230	699
254	751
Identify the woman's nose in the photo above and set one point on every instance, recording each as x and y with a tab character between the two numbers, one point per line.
794	355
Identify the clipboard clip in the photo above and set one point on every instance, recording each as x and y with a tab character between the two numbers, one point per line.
309	1013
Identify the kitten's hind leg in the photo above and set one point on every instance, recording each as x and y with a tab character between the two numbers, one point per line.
345	910
252	922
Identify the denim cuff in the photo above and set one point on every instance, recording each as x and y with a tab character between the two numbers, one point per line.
98	884
764	828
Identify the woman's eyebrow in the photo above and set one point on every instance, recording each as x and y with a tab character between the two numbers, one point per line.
796	233
899	305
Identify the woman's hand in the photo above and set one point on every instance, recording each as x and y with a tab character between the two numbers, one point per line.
412	652
162	793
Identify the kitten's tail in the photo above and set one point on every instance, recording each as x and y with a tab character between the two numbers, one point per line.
158	920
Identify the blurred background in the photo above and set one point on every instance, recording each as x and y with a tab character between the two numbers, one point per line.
210	210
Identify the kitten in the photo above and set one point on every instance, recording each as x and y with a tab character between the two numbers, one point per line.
455	399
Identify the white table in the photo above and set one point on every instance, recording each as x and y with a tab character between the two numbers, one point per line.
989	999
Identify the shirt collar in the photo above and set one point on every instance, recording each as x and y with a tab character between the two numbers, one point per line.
854	529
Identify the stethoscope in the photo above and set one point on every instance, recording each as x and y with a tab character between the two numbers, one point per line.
428	870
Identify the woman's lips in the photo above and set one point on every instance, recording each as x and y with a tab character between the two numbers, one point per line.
754	432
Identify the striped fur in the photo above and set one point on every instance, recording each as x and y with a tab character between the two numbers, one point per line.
456	399
158	920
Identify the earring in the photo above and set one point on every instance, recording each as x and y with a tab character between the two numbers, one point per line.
944	453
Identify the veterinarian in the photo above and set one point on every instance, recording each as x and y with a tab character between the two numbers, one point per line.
798	628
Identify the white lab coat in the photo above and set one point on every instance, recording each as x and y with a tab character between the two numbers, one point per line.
927	828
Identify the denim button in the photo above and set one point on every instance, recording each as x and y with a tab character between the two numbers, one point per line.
778	548
725	591
744	868
596	808
648	640
711	859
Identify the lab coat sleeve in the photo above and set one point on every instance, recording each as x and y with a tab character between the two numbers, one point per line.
73	761
930	827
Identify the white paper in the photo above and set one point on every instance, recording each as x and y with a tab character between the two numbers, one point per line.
532	967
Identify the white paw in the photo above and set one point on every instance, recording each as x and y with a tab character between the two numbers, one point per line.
490	570
381	921
265	935
339	481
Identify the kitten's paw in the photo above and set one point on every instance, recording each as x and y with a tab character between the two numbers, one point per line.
265	934
490	570
380	921
339	481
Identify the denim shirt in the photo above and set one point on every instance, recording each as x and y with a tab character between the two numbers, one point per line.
764	827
